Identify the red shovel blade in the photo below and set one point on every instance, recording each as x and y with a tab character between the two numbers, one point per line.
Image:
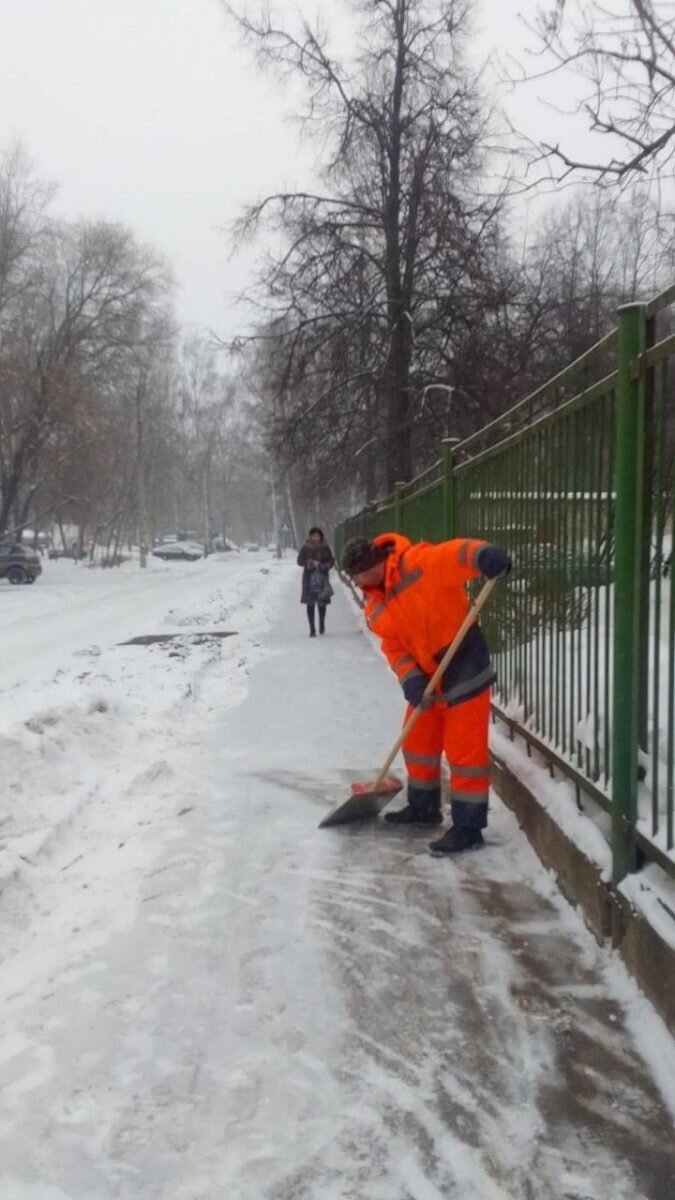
363	801
390	785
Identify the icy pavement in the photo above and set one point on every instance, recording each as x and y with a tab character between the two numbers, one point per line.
204	997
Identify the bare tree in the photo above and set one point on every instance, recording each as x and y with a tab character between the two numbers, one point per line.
23	203
102	415
73	331
624	52
381	259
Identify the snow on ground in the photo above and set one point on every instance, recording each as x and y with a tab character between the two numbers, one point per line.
204	997
79	711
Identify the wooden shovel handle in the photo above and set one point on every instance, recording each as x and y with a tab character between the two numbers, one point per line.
469	620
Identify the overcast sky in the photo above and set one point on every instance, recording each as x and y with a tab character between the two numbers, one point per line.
151	113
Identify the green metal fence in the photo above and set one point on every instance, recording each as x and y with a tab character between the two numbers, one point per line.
577	481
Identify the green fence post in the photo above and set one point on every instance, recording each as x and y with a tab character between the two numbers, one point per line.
398	507
647	523
629	466
447	450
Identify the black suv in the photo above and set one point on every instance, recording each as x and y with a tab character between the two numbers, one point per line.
18	563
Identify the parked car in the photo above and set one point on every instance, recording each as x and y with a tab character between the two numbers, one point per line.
252	547
19	564
179	551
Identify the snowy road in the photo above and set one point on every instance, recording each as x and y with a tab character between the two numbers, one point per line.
203	997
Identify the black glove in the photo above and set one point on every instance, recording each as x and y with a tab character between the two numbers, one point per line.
413	689
492	562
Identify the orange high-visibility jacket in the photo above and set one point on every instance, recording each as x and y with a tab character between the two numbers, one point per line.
418	611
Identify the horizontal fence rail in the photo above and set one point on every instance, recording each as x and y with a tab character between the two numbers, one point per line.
576	481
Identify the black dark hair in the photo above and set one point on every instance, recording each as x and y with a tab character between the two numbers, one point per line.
315	529
361	554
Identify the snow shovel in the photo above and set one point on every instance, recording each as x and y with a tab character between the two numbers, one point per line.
368	799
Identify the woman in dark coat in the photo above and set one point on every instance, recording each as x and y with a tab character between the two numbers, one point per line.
316	560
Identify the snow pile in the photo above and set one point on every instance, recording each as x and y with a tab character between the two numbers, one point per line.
80	712
652	893
557	797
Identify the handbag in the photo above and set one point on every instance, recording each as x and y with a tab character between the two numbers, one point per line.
326	592
316	582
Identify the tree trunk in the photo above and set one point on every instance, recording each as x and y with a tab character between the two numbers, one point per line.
10	487
208	516
291	512
142	516
398	408
397	368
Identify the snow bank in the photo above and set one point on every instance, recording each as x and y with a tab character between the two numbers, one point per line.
557	797
79	711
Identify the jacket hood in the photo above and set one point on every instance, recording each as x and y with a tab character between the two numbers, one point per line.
398	540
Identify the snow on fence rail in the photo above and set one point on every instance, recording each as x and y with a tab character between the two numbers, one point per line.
577	480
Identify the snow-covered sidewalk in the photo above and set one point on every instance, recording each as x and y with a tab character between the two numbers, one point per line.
204	997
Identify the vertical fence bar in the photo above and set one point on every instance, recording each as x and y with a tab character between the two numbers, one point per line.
449	523
572	580
550	609
587	509
560	575
540	518
658	488
646	536
627	589
594	628
398	507
609	578
506	483
517	507
581	729
528	552
670	723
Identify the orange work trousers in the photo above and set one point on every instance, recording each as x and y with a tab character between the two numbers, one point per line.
459	731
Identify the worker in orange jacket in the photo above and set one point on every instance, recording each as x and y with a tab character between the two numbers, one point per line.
415	601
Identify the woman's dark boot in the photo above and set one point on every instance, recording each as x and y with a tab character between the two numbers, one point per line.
322	620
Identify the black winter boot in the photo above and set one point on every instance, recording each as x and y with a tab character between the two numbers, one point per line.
455	840
431	815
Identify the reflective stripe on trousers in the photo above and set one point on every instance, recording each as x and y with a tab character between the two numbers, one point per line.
461	733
